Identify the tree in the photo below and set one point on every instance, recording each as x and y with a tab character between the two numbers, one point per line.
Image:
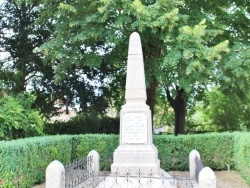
100	38
180	58
194	62
22	32
20	35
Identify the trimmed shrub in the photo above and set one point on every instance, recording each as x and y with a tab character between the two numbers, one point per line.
103	144
84	124
242	155
27	159
216	150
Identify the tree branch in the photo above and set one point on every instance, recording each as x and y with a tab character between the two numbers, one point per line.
170	98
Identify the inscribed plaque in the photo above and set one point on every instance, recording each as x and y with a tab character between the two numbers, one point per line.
134	128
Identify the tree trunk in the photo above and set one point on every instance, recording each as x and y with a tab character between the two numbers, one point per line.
179	104
151	93
67	107
180	118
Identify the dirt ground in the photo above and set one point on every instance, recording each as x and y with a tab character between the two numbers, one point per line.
231	179
224	179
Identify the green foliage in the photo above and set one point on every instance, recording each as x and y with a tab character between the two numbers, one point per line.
67	7
24	29
21	67
164	115
84	123
18	119
193	60
242	155
20	37
217	111
7	180
237	66
27	159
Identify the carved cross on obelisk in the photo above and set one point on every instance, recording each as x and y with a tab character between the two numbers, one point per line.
136	152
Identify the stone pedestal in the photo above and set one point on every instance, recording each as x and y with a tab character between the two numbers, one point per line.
136	152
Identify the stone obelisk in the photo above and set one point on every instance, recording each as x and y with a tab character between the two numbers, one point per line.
136	151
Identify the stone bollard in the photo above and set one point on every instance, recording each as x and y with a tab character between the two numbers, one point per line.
93	166
207	178
55	175
192	165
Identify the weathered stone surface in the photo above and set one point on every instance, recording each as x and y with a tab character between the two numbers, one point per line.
93	166
135	80
207	178
55	175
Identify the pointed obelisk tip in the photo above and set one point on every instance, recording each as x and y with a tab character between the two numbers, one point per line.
135	81
134	44
134	35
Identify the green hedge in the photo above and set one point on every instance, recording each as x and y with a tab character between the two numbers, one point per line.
242	155
83	124
103	144
24	161
27	159
216	150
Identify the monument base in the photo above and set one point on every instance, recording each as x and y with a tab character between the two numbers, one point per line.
134	159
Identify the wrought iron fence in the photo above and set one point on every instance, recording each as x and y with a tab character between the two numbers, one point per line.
139	180
78	172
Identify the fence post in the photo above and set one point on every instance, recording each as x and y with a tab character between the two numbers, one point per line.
207	178
93	166
55	175
192	165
